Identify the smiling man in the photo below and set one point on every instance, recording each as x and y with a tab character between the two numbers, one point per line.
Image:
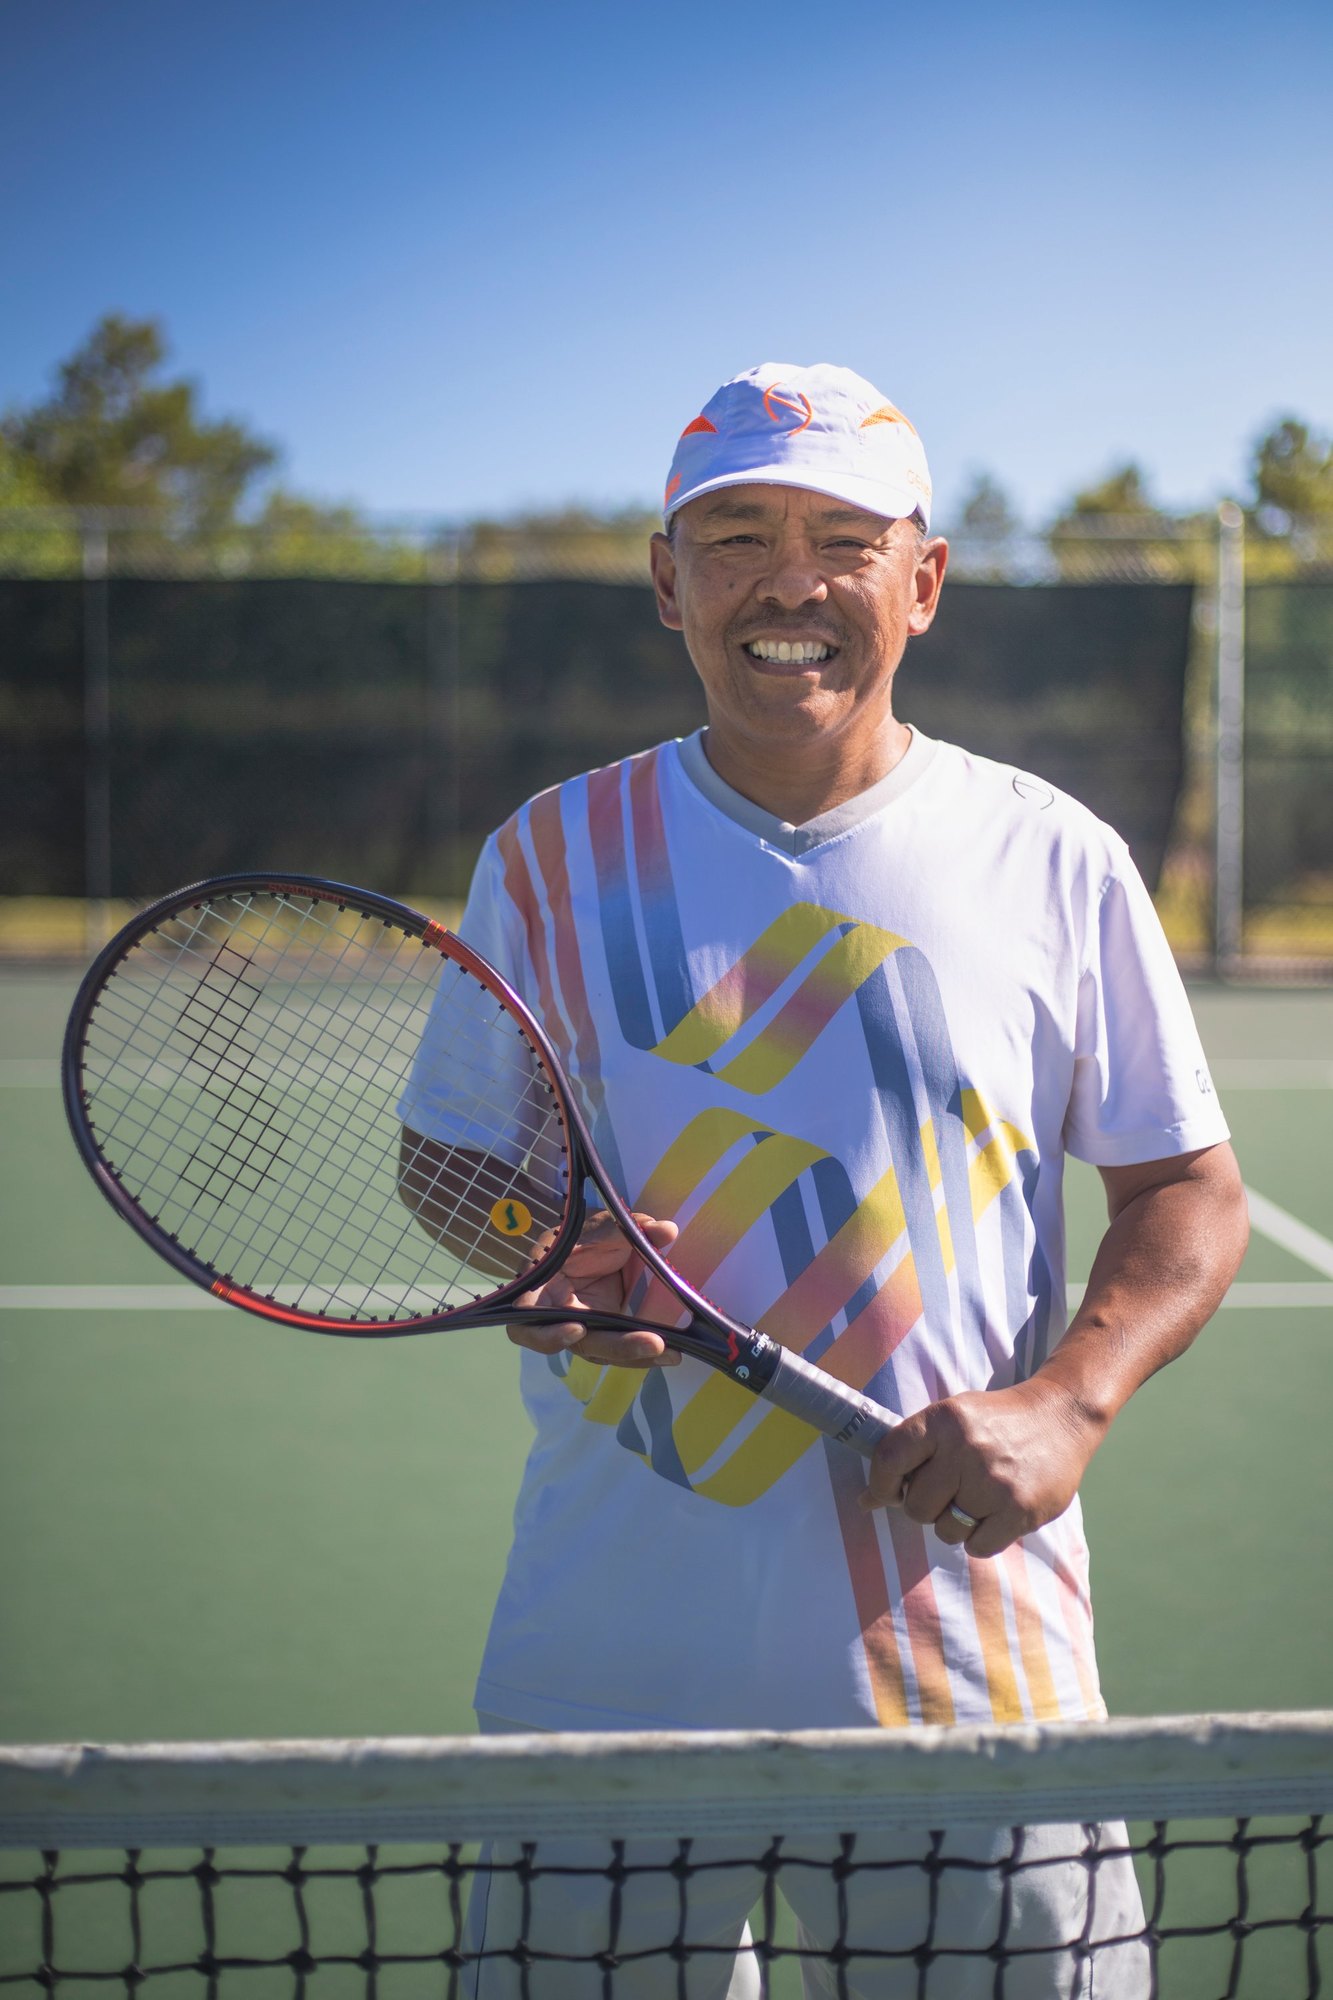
837	1001
796	613
798	673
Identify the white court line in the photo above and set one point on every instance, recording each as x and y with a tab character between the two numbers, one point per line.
1229	1073
1250	1293
1272	1073
29	1073
1289	1233
1255	1292
191	1298
158	1298
107	1298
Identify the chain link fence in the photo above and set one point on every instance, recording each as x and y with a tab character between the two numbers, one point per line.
371	702
1287	768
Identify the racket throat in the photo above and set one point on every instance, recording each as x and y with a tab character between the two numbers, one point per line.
748	1357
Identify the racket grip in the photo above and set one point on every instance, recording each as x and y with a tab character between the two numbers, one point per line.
820	1400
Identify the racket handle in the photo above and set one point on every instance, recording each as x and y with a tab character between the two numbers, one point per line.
820	1400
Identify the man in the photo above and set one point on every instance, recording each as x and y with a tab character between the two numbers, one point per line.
837	1000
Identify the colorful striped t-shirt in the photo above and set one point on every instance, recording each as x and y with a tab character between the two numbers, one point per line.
848	1060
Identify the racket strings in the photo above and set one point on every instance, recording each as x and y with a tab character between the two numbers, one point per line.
231	1092
203	1171
510	1114
345	1143
129	1116
470	1194
242	1073
367	1236
507	1114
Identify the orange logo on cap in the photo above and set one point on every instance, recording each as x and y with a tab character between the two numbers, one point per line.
887	414
699	424
801	408
673	486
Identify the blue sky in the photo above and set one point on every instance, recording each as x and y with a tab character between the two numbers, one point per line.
462	258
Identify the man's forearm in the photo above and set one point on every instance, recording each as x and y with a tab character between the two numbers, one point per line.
453	1193
1012	1459
1172	1247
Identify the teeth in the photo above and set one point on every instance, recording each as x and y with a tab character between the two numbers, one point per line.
803	653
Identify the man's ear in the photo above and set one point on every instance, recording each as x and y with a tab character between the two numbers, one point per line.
931	565
662	558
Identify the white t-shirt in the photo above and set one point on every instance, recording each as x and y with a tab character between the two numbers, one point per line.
848	1059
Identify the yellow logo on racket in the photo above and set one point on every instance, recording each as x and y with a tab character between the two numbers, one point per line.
511	1218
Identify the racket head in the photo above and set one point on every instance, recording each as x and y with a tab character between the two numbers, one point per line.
232	1071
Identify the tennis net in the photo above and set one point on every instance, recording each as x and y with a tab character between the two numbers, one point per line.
936	1862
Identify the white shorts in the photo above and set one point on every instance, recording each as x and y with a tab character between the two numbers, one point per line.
649	1931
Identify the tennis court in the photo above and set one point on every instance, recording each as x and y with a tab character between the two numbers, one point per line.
219	1528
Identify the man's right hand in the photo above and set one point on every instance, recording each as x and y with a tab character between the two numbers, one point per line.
598	1276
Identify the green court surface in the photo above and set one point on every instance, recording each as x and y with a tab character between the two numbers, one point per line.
214	1527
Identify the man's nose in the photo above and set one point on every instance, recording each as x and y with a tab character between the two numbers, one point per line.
794	578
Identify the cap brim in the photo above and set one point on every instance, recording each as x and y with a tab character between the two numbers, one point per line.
876	496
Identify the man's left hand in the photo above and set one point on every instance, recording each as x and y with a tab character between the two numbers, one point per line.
1012	1459
1009	1460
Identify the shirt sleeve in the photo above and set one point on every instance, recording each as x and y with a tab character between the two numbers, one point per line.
491	923
459	1102
1141	1087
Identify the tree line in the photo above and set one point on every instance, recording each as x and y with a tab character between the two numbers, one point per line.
121	435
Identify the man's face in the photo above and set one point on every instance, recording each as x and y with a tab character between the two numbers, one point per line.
755	571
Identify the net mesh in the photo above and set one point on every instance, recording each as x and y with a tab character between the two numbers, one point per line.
949	1863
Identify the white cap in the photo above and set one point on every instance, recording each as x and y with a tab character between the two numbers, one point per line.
822	428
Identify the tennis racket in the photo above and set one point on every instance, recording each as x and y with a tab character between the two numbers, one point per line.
328	1110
